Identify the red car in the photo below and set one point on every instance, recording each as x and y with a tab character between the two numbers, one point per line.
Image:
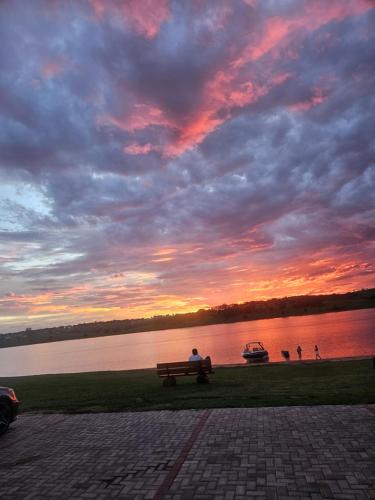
8	408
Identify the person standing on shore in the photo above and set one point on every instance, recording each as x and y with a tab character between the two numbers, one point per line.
299	352
317	355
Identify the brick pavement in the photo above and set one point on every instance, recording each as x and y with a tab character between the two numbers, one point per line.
269	453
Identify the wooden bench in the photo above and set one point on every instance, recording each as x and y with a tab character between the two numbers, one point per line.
169	371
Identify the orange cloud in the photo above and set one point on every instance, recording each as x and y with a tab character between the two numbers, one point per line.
165	251
308	275
163	259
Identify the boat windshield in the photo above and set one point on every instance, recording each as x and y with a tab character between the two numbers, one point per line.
254	346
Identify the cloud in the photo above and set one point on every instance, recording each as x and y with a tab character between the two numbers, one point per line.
138	149
202	152
144	16
50	69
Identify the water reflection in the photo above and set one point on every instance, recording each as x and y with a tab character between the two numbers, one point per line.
348	333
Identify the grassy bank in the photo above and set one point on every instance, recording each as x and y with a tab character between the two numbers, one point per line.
340	382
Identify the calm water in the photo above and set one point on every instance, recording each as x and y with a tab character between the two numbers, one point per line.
350	333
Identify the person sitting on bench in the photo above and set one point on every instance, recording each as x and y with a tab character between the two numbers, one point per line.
195	356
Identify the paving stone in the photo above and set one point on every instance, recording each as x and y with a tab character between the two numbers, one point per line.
224	454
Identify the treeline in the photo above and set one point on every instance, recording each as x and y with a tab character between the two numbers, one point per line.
225	313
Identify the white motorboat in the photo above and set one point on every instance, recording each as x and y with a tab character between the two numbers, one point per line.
255	351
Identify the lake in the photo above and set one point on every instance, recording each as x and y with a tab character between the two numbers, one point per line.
341	334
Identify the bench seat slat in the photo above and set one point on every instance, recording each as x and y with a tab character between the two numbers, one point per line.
184	368
179	374
180	367
181	363
174	371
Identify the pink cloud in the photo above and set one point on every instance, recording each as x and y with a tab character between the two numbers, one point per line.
193	132
52	68
226	90
318	97
138	149
222	93
252	3
310	17
139	117
275	30
231	87
144	16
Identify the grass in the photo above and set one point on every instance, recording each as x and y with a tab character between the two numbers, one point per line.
340	382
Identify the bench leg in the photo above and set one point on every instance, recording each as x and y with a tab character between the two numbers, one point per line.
202	379
169	382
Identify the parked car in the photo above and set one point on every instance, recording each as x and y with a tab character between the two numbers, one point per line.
8	408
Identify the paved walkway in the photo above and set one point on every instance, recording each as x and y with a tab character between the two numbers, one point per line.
291	452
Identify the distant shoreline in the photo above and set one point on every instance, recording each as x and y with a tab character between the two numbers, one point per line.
306	305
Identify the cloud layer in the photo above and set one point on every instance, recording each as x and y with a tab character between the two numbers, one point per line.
162	156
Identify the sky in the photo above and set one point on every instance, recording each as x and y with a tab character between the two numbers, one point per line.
162	156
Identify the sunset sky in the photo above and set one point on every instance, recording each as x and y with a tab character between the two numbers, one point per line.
163	156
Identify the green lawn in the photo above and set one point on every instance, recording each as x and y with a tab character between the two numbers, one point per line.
341	382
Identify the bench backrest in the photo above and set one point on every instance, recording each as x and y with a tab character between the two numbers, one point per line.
184	368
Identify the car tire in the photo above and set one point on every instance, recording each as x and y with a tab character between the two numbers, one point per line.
5	416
